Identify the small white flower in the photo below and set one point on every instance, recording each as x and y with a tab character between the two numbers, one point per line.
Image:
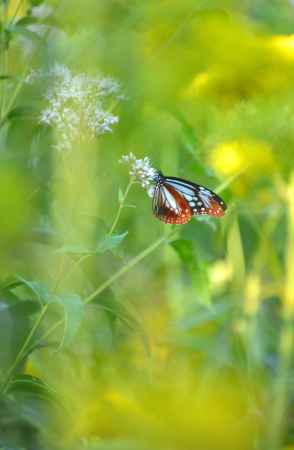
141	170
78	105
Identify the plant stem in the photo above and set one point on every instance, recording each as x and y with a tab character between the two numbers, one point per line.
4	58
221	187
121	205
23	349
15	94
282	383
127	267
51	329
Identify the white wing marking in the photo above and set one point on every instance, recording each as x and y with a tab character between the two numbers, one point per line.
205	196
170	202
183	188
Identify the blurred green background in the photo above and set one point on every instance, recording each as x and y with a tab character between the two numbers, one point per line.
150	337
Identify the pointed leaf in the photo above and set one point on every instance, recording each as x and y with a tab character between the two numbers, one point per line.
9	283
31	385
202	316
19	111
39	288
5	77
110	242
25	32
197	269
73	308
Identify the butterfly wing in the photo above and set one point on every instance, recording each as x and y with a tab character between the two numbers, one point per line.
169	205
200	199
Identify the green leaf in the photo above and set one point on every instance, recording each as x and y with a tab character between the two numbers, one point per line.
36	2
25	32
5	77
16	113
208	221
39	288
19	111
15	325
73	308
110	242
202	316
9	283
197	269
27	20
190	138
28	384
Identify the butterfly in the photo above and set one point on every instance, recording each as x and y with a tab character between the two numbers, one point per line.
175	200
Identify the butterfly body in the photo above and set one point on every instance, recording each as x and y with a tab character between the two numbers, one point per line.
176	200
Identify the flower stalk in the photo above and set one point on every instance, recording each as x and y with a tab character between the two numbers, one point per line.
282	381
121	205
126	268
23	349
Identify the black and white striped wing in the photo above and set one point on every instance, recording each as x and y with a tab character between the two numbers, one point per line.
200	199
169	205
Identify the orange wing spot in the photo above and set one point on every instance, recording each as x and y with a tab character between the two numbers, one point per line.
215	209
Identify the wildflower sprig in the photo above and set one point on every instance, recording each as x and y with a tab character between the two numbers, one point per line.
141	170
77	105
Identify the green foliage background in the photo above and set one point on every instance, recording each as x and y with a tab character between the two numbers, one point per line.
151	336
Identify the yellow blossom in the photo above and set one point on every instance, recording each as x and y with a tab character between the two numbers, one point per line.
220	273
232	157
198	84
246	159
284	45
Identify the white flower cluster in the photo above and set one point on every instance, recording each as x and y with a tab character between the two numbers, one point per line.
78	104
141	170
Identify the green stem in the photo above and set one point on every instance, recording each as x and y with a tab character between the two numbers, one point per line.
4	59
121	205
51	329
281	385
126	268
23	349
229	181
75	265
15	94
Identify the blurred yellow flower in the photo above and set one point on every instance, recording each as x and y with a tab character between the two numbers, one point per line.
232	157
284	45
181	410
252	294
229	158
247	159
220	273
198	85
177	410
